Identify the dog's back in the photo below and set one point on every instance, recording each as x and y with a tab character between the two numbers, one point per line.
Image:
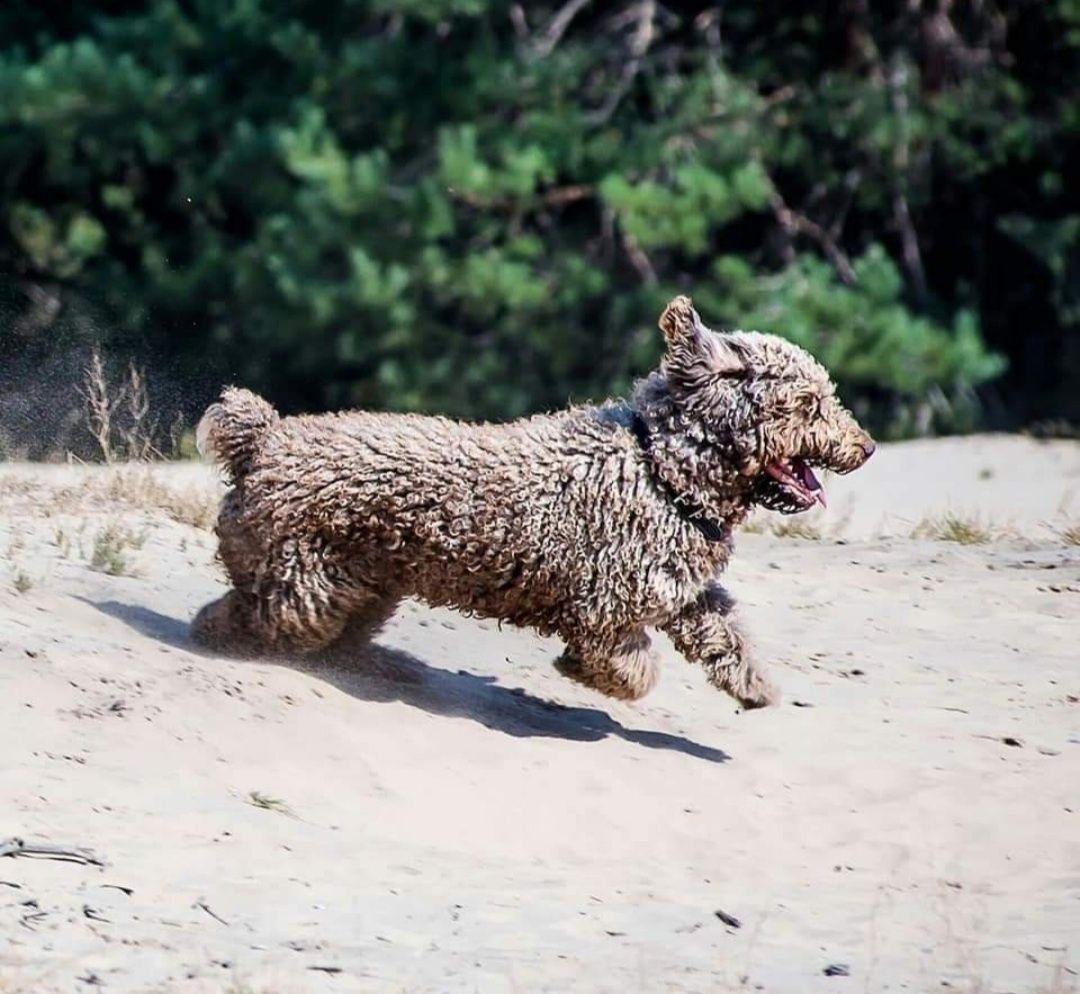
409	499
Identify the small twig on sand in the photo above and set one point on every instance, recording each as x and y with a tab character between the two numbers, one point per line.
18	847
128	891
33	918
94	915
203	906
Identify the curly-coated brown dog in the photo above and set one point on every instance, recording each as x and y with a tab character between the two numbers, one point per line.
593	523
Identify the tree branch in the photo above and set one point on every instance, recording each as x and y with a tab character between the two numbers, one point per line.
557	196
909	238
793	223
638	259
518	20
639	46
557	27
909	245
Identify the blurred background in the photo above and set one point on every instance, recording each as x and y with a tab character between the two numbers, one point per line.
479	207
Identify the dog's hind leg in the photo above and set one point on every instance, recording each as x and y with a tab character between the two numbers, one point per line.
627	669
362	626
314	607
705	633
289	622
296	601
228	625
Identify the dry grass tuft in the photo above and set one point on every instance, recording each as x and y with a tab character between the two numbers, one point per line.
22	583
1070	534
788	526
134	486
142	490
62	541
13	486
810	526
794	527
957	528
755	525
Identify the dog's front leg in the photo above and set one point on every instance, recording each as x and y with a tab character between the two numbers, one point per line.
704	632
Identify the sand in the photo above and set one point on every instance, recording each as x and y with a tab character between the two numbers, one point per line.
449	815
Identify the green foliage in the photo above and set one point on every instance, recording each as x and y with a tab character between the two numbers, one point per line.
682	214
465	206
863	333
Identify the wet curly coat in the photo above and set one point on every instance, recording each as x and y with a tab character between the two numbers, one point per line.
594	523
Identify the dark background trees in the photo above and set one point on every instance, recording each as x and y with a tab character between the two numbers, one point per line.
479	207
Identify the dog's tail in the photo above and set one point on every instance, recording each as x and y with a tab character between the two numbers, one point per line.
232	429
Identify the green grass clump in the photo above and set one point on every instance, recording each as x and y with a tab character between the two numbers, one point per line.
111	545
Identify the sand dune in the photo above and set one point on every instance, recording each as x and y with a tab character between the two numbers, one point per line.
448	815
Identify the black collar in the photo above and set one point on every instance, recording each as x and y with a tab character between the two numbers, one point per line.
689	510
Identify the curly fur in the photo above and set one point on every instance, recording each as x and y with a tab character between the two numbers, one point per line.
579	523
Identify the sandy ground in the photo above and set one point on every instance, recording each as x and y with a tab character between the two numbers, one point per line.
451	816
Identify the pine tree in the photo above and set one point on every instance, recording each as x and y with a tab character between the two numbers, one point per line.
479	207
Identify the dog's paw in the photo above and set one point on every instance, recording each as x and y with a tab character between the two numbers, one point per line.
219	627
762	694
731	673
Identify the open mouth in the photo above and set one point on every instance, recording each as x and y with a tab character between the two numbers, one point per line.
797	480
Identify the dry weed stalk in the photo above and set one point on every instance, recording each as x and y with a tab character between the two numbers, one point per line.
139	434
119	418
100	405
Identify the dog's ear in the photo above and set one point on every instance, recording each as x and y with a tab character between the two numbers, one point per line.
690	345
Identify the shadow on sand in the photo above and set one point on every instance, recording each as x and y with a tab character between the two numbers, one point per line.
382	674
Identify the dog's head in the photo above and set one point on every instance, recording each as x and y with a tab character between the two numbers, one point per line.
765	407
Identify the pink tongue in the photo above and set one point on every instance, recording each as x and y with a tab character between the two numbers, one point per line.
807	475
811	482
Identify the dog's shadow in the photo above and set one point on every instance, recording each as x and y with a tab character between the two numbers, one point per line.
382	674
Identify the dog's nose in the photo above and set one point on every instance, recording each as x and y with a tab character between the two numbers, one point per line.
869	448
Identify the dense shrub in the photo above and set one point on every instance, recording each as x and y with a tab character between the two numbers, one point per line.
479	207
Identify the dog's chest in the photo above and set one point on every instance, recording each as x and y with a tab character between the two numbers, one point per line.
678	576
